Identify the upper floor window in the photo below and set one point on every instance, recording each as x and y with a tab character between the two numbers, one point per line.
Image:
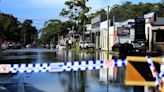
95	25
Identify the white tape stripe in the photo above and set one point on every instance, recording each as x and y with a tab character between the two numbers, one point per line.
59	67
154	72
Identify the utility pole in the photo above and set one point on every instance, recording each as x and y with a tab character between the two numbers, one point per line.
108	47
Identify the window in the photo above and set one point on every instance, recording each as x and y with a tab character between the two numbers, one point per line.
159	36
95	25
131	23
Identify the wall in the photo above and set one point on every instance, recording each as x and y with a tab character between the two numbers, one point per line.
104	36
148	33
88	27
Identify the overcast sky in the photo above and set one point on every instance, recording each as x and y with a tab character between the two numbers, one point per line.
41	10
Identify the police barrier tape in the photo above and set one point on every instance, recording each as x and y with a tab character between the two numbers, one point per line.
61	66
154	72
79	66
162	70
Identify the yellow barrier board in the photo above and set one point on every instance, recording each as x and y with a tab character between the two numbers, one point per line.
138	72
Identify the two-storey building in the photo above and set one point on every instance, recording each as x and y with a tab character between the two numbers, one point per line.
95	33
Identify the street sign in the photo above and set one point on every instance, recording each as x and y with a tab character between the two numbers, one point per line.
121	31
138	72
150	17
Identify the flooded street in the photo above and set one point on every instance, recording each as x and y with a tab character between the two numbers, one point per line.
80	81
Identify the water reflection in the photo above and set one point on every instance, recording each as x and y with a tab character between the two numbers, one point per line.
73	81
16	83
80	81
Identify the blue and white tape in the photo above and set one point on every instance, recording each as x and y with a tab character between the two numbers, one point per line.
162	70
115	63
154	73
61	66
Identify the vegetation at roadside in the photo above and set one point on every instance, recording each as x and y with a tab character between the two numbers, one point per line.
129	10
9	27
76	13
52	29
13	30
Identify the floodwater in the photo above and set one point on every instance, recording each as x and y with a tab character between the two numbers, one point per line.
80	81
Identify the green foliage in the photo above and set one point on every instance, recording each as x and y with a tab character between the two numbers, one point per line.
12	30
92	15
53	28
76	12
128	10
9	27
28	33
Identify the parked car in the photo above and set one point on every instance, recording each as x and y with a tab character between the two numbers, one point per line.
28	46
10	44
4	46
86	44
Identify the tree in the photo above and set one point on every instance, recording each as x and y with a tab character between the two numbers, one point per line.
10	29
53	28
66	27
76	11
29	33
159	9
129	10
92	15
50	31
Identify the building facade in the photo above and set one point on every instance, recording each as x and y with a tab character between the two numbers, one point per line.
95	33
154	31
104	36
87	33
125	31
